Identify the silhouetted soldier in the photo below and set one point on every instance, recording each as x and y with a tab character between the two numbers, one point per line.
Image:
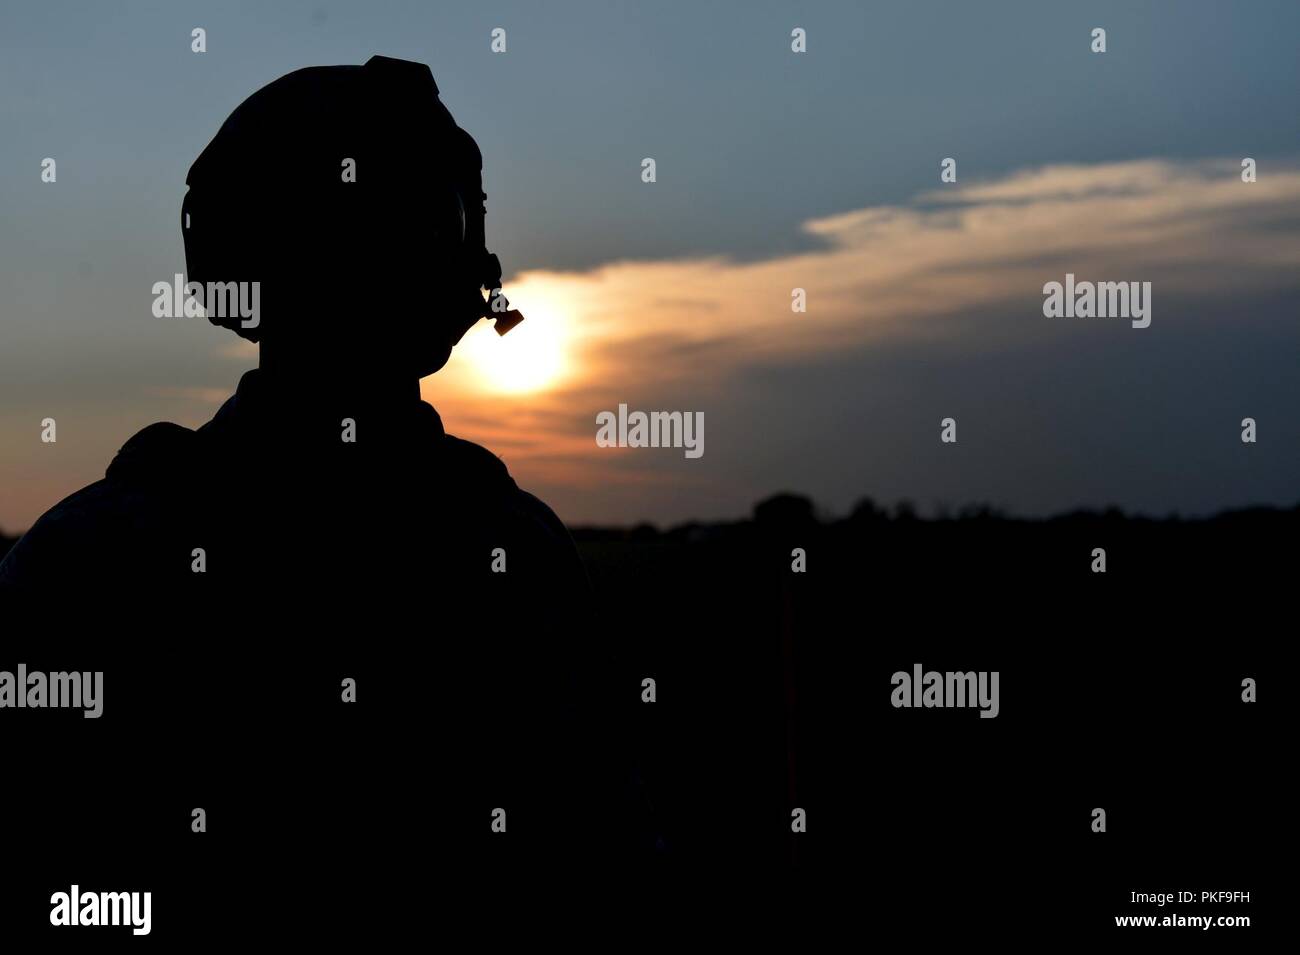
324	507
355	202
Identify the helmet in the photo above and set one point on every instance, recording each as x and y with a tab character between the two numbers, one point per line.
340	162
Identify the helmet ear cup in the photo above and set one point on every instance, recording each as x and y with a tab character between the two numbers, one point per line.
206	254
190	236
449	225
211	256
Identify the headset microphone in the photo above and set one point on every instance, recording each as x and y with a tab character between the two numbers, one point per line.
497	306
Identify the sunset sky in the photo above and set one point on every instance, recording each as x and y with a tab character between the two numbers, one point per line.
775	170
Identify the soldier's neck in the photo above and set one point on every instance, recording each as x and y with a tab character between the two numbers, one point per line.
337	384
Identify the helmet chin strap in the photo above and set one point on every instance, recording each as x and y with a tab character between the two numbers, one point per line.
497	306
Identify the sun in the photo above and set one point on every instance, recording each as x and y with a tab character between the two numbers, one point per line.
532	357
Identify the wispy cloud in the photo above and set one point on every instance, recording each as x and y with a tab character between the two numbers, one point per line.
238	349
677	331
207	396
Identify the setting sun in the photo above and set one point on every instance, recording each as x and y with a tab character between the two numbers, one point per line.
532	357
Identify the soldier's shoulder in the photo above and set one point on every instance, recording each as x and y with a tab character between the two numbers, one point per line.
474	462
488	470
73	530
153	452
91	525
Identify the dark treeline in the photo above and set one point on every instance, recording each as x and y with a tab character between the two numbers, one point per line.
977	540
953	537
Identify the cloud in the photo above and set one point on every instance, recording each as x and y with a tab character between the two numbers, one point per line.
239	349
883	269
674	334
207	396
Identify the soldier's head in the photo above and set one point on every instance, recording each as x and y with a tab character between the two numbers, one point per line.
350	195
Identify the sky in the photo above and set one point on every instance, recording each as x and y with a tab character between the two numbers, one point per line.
775	170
